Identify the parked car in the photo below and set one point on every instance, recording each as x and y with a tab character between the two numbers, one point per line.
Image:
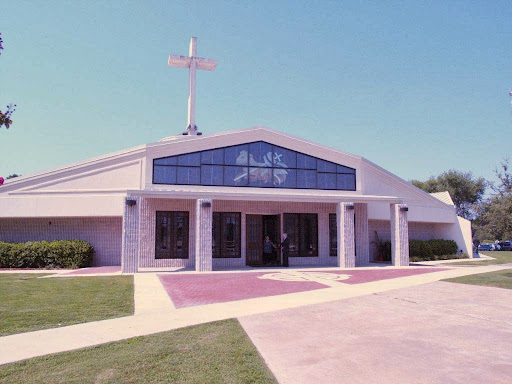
506	245
485	247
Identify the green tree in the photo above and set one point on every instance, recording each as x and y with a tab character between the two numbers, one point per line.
5	116
494	220
494	216
466	190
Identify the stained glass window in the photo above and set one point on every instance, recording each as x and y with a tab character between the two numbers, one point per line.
302	230
171	235
257	164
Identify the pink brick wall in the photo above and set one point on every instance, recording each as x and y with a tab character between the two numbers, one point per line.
103	233
150	206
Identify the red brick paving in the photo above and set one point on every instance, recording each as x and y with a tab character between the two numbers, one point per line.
190	290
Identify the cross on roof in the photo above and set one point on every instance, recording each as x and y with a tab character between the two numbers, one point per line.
192	62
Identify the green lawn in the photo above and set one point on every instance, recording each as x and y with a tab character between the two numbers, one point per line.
501	257
218	352
28	303
500	279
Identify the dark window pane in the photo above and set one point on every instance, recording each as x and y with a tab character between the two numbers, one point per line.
215	156
333	235
260	177
291	228
346	182
326	166
165	161
284	158
191	159
260	155
189	175
212	174
308	234
327	181
236	176
306	179
164	174
285	178
342	169
305	161
238	155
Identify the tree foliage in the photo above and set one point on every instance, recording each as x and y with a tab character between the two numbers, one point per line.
465	189
494	219
5	116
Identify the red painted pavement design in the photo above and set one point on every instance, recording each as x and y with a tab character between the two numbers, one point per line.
190	290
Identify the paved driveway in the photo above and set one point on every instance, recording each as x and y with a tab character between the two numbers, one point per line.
434	333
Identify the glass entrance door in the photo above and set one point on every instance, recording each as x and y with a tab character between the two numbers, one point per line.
258	227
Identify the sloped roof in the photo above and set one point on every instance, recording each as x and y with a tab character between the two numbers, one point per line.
444	197
134	157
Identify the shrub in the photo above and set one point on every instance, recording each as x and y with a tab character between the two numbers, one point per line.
420	248
441	247
46	254
436	249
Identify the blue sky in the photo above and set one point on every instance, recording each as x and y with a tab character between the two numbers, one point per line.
416	87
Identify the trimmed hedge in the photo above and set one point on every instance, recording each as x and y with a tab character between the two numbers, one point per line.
421	250
46	254
429	248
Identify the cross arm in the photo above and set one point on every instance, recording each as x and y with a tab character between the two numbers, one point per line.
205	64
179	61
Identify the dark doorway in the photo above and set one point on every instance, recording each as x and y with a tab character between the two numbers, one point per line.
257	228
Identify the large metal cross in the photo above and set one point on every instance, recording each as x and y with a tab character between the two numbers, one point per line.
192	62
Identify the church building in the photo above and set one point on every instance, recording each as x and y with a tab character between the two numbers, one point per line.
209	201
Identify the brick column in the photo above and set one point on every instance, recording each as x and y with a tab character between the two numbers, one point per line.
361	235
399	235
345	223
204	217
130	241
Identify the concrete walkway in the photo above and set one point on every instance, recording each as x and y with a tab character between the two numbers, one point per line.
433	333
154	313
476	259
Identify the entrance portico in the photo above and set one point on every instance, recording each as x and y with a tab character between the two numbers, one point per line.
221	230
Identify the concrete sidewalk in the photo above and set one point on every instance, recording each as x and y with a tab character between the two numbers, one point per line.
433	333
153	313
